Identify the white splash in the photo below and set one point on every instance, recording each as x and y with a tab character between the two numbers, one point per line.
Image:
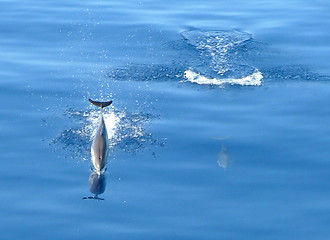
111	122
255	79
221	48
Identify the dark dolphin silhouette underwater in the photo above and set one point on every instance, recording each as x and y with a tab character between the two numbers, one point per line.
97	184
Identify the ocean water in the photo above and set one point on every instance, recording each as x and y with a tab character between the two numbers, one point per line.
219	127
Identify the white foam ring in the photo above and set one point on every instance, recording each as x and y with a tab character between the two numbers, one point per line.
255	79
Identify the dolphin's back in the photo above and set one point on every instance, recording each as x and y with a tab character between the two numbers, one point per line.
99	149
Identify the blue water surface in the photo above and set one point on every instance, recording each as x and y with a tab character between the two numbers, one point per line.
219	127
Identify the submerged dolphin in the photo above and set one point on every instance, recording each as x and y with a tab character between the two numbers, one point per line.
100	146
97	185
224	158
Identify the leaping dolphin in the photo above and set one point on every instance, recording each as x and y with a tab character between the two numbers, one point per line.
100	146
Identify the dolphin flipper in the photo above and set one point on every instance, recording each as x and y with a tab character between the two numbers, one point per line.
100	104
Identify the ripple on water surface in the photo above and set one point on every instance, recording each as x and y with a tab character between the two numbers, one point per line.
126	132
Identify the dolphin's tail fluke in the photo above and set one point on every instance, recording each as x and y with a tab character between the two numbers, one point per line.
100	104
94	197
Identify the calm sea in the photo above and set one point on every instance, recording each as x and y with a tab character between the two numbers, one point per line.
219	128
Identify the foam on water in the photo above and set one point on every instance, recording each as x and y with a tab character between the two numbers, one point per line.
126	132
111	122
221	47
252	80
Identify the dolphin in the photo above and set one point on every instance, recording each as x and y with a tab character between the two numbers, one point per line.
97	185
100	146
224	158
